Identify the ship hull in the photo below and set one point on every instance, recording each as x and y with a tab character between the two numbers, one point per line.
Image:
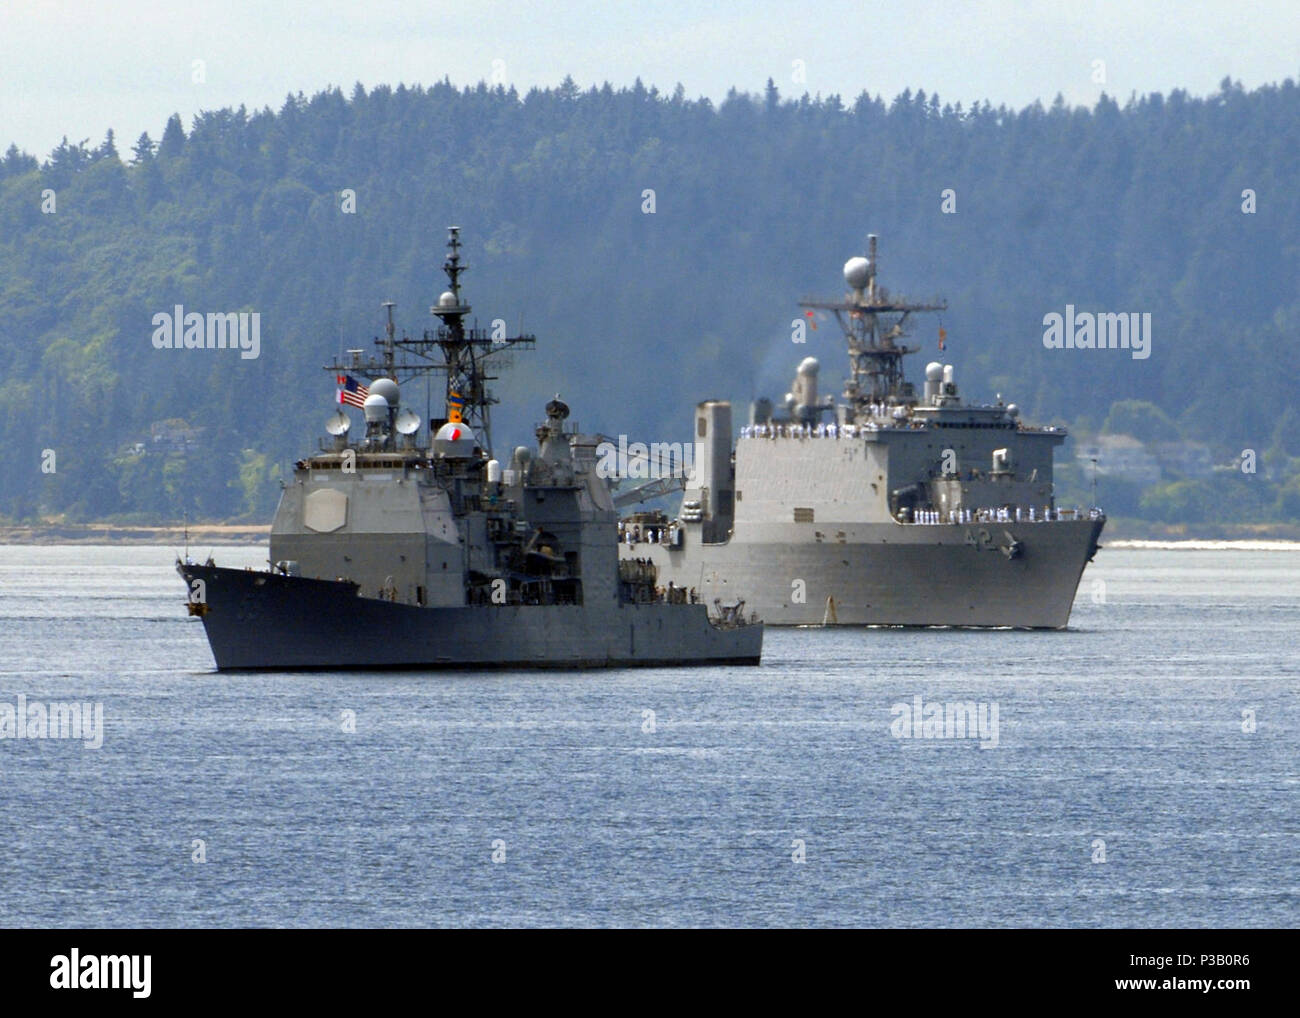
1020	575
267	621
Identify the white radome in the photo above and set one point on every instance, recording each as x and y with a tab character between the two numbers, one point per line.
453	431
857	272
375	407
387	388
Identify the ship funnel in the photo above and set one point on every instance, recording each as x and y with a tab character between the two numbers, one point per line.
712	484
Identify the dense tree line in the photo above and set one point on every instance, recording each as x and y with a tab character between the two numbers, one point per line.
757	201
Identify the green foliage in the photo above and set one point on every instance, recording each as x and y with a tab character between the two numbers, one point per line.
1286	435
1228	497
257	487
1180	502
1288	500
1144	421
758	201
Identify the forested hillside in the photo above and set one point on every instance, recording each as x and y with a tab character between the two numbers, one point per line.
757	201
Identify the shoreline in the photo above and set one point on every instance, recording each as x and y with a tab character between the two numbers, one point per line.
115	533
1201	544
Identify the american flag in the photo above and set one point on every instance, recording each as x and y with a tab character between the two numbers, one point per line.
353	393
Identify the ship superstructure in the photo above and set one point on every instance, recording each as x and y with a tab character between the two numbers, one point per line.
412	545
885	506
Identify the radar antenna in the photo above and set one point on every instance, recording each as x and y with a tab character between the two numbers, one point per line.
872	321
463	354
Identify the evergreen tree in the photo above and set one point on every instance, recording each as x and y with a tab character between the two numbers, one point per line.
173	139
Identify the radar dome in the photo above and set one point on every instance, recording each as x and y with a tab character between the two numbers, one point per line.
857	272
1013	411
809	366
934	372
454	431
387	388
375	408
447	299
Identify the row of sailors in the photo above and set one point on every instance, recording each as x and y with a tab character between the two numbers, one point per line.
1000	514
805	430
649	534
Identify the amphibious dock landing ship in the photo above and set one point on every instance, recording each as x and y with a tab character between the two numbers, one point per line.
414	547
886	507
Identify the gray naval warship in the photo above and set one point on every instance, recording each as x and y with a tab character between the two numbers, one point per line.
393	551
882	508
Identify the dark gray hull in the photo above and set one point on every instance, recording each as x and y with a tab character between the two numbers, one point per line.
891	574
259	620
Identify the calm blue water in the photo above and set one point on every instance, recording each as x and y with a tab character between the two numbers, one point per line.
1128	729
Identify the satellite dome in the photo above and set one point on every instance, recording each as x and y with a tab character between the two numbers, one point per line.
1013	411
934	372
809	366
387	388
447	299
455	431
375	408
857	272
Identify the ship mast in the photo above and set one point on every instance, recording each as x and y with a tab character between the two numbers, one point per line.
463	354
872	322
